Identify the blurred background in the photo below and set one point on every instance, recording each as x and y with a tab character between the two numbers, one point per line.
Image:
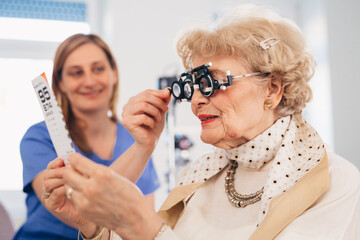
142	35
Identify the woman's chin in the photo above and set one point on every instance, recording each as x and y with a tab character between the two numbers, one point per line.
213	139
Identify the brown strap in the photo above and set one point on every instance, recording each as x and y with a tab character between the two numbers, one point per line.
173	206
288	206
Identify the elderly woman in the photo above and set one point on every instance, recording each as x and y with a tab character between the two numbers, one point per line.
270	175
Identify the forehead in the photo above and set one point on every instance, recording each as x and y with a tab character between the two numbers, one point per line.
220	64
84	55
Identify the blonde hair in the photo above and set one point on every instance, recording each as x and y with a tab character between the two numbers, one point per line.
239	33
62	53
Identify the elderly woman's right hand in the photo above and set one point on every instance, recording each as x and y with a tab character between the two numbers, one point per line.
110	200
144	116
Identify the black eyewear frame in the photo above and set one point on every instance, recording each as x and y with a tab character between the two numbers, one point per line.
200	77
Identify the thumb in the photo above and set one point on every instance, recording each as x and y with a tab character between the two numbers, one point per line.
166	94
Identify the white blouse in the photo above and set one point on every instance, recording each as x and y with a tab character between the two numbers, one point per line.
210	215
335	216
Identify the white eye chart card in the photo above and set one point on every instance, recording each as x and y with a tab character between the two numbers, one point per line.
54	118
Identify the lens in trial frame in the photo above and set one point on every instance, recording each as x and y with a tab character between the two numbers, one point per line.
176	89
182	89
188	90
206	86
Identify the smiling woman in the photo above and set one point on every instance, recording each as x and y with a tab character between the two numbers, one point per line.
85	83
225	116
88	81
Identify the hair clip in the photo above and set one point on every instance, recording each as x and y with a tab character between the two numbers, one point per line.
265	44
191	65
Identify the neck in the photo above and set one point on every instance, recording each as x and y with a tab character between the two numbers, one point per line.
95	124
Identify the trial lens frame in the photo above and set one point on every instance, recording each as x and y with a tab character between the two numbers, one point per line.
183	88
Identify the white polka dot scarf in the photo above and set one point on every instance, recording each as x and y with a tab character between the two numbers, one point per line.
290	145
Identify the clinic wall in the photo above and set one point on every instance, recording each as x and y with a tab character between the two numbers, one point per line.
344	51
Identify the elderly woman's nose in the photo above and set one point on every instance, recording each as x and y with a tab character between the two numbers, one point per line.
198	98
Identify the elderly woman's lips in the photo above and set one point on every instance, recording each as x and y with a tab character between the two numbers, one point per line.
205	119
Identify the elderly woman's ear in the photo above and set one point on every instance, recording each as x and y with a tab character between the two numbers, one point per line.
274	91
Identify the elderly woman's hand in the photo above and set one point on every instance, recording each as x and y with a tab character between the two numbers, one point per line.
110	200
144	116
54	198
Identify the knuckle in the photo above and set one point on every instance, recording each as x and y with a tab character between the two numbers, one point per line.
141	105
126	120
45	175
89	192
108	174
46	186
125	107
150	122
125	123
98	172
56	193
148	91
58	171
83	205
142	118
131	99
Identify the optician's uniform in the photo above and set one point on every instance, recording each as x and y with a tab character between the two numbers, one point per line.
37	151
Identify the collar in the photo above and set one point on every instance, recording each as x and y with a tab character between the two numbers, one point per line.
294	149
259	151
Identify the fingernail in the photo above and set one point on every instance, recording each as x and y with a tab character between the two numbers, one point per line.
169	89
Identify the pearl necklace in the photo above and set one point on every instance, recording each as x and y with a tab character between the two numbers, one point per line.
236	199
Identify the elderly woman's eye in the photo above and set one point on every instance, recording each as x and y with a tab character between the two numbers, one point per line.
217	75
220	78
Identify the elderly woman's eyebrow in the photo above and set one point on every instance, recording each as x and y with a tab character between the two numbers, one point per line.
217	72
